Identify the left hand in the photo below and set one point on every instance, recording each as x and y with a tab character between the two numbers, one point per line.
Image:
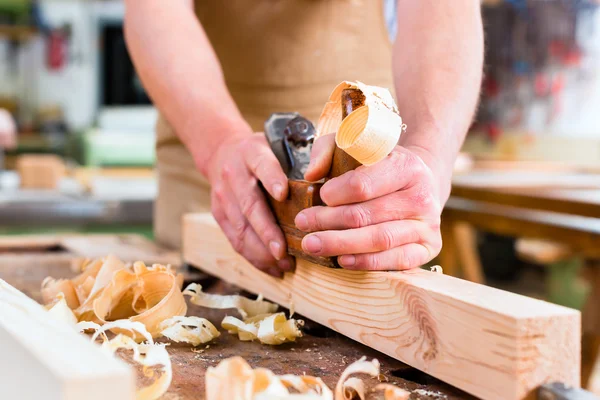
382	217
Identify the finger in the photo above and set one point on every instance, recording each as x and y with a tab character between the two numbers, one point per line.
254	209
412	255
239	232
414	203
368	239
397	171
263	164
321	156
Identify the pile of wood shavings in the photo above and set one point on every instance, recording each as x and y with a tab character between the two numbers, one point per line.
147	302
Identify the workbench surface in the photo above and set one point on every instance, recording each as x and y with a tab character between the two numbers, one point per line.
320	352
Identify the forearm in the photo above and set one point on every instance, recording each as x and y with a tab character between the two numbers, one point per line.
182	75
438	63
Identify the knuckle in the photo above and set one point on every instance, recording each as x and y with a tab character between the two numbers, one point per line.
356	216
249	205
219	192
361	185
383	239
406	259
240	229
373	261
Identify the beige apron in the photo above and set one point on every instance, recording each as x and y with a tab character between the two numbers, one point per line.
277	56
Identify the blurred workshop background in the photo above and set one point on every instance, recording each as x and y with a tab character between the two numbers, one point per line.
525	209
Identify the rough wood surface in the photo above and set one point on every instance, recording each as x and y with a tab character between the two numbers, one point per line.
490	343
43	358
321	351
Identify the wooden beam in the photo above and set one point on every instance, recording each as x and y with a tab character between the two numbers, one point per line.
44	358
581	234
487	342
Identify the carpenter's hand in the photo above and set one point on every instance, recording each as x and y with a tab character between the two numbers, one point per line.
382	217
8	130
239	205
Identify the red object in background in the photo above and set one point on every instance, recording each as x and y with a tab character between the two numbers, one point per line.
491	88
493	131
56	52
558	84
542	84
572	58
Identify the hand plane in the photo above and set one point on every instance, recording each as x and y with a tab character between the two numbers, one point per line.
291	137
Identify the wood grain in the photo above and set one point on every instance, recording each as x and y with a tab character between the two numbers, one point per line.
320	352
490	343
63	364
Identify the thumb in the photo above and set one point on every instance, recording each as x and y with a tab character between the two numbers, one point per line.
320	158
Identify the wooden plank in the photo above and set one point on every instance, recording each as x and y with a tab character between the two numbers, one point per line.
43	358
585	203
128	247
581	234
320	351
487	342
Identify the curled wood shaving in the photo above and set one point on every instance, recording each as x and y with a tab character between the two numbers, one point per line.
194	330
108	289
437	269
391	392
369	133
273	329
245	306
233	378
61	311
358	367
354	387
148	354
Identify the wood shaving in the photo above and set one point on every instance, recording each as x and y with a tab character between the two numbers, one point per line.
108	289
194	330
354	387
245	306
437	269
358	367
61	311
148	354
369	133
233	378
272	329
391	392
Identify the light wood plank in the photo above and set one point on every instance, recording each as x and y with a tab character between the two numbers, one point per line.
490	343
43	358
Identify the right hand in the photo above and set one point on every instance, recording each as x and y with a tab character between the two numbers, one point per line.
8	130
239	205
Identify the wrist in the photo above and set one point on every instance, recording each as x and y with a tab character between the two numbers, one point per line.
206	144
440	165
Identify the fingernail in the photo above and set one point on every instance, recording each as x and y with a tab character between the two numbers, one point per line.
301	222
278	191
347	260
275	248
285	265
312	244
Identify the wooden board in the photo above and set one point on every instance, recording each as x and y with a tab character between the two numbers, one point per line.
490	343
66	365
320	352
581	234
128	247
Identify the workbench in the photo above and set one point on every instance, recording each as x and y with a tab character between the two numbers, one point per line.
320	352
558	205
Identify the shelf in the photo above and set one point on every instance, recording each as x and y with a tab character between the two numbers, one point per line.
17	32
